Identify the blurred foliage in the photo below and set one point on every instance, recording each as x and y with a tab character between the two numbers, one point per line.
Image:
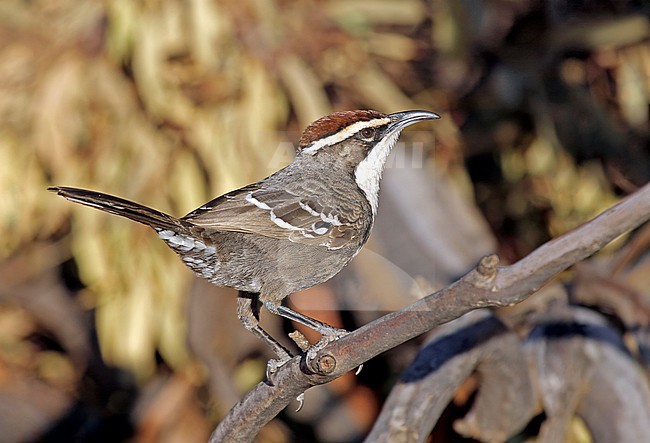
171	103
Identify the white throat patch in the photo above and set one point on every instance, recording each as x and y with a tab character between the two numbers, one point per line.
368	172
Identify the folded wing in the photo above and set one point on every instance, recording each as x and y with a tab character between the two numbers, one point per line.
280	214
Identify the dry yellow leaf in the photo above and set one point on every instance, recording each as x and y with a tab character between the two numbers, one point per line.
403	12
392	45
379	91
305	90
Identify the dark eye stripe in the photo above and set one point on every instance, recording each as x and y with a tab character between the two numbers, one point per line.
333	123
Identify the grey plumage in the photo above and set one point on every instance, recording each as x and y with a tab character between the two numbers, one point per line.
290	231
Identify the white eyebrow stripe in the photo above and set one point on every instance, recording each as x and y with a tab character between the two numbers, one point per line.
344	134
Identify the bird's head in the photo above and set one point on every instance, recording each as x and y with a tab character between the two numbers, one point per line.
360	141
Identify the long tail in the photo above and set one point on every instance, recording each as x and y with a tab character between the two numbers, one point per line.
119	206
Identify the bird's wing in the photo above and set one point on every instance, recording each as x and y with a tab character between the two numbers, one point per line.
282	214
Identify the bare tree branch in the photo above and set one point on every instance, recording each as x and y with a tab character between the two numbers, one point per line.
487	285
583	368
477	342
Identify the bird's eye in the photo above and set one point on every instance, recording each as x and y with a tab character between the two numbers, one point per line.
368	133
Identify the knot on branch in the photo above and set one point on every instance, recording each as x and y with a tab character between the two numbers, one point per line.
487	267
325	364
486	272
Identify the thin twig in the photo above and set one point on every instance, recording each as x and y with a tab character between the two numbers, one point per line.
485	286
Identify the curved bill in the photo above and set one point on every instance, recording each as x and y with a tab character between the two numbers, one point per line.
400	120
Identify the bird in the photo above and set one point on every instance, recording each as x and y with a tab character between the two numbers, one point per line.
289	231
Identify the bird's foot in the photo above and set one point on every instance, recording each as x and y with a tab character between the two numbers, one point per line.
330	334
274	364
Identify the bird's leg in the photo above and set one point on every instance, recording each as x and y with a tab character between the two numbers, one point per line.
248	311
327	331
